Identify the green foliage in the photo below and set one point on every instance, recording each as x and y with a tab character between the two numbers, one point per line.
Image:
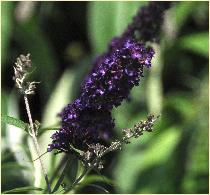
96	29
42	54
196	178
4	110
15	122
13	165
60	96
104	25
101	189
22	190
61	178
181	11
154	85
6	28
97	178
196	42
92	180
134	160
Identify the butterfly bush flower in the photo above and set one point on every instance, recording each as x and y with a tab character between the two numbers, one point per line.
115	75
81	126
147	23
88	119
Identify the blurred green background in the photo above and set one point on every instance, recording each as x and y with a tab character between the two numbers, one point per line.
63	39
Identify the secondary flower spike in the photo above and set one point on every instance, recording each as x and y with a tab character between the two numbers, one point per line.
115	75
147	23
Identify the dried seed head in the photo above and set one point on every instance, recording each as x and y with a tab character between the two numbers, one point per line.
26	61
21	69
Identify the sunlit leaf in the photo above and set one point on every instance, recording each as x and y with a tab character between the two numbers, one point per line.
124	14
154	83
15	142
181	11
97	178
182	104
101	24
42	130
61	96
198	148
14	121
104	25
197	43
132	161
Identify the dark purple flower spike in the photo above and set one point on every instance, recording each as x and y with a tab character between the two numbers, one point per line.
114	76
147	23
81	126
88	119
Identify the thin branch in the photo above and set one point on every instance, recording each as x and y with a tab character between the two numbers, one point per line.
33	134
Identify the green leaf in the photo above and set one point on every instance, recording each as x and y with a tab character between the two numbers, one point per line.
42	130
59	98
176	17
4	110
99	187
61	178
124	14
180	13
13	165
90	179
97	178
196	42
201	12
154	83
16	142
22	189
62	95
34	41
6	27
14	121
182	104
135	158
198	148
107	20
101	24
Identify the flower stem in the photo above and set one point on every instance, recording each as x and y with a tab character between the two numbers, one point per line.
33	134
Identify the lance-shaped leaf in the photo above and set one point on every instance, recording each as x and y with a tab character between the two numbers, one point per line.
15	122
22	189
